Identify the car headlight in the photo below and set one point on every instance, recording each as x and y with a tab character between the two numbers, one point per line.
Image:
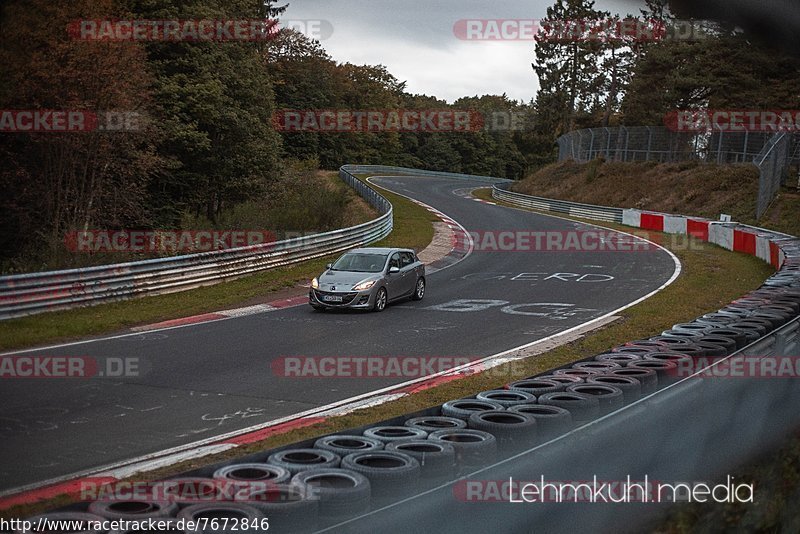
315	283
361	286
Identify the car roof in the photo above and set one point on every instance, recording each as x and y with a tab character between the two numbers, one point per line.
379	250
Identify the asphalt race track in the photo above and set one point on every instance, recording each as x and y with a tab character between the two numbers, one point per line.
204	380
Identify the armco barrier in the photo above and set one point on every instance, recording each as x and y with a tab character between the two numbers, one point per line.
575	209
28	294
760	242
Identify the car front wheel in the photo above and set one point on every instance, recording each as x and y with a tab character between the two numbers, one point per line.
380	300
419	289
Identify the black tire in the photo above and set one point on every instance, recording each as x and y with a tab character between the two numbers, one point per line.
537	386
290	507
671	341
601	365
632	349
297	460
621	358
697	328
318	308
682	334
631	388
505	397
391	474
186	491
774	318
716	318
340	492
253	472
463	408
242	479
690	350
417	294
381	300
513	430
756	329
133	509
551	421
220	511
729	343
609	397
66	516
583	407
677	357
580	373
432	423
343	444
648	378
567	380
667	372
474	448
766	324
437	459
388	434
647	343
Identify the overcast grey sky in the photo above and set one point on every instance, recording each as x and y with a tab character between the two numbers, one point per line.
415	40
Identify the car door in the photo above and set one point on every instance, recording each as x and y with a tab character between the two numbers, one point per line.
408	272
394	281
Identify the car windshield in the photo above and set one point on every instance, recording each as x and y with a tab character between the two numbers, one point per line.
360	263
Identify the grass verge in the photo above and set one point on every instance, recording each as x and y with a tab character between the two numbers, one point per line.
412	229
711	277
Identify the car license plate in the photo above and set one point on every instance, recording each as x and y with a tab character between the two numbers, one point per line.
332	298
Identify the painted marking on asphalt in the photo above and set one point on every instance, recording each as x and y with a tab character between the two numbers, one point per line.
180	322
248	310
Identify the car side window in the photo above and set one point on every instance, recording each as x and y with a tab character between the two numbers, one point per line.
394	261
406	259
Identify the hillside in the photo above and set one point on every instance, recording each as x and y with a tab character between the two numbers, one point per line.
688	187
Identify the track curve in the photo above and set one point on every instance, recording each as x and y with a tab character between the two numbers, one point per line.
210	379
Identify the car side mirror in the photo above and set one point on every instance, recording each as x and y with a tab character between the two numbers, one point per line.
329	265
394	269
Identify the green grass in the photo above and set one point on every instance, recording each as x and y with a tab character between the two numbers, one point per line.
412	228
412	223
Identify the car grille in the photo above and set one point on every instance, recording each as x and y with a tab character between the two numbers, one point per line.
347	298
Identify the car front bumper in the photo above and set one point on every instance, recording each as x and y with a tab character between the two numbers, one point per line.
350	299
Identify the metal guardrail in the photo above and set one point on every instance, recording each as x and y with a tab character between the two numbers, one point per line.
380	169
576	209
28	294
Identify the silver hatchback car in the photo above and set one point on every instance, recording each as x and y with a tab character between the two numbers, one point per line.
368	279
